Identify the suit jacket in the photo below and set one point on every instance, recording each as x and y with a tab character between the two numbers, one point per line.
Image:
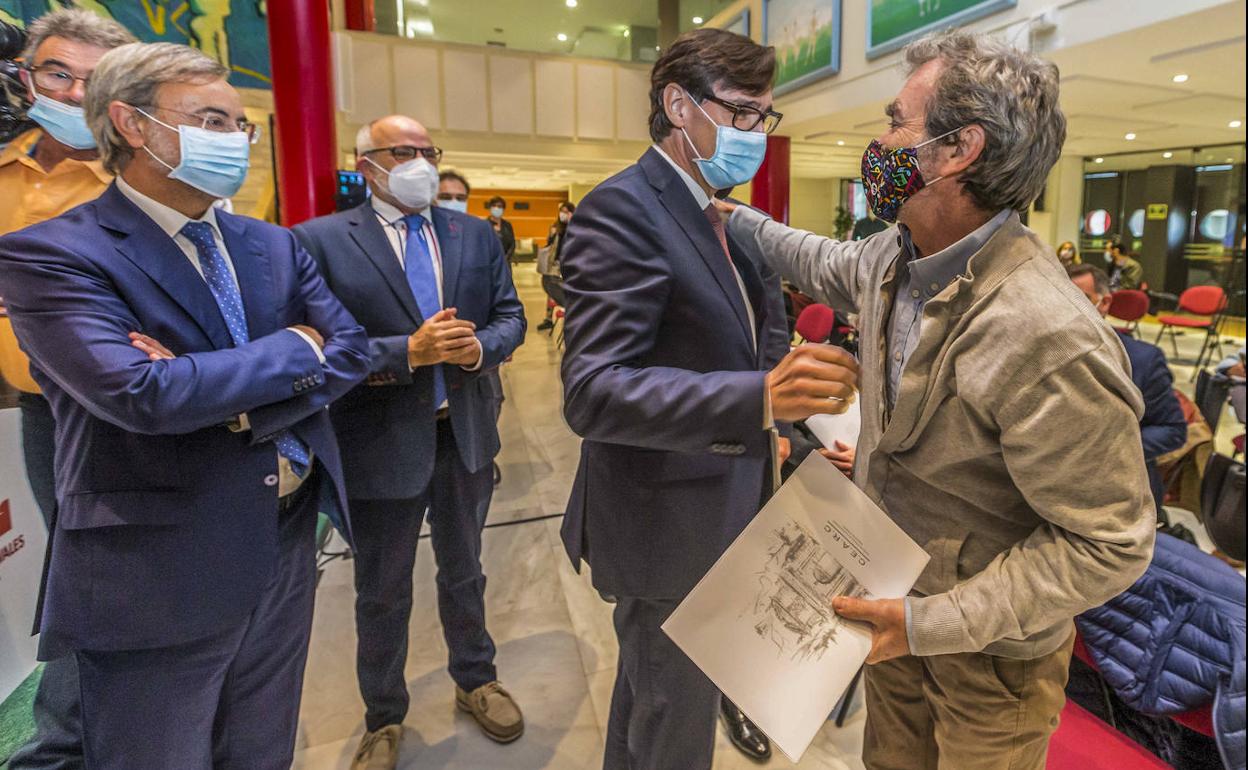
386	425
167	522
662	380
1162	428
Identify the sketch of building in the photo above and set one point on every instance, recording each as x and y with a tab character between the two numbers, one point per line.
792	607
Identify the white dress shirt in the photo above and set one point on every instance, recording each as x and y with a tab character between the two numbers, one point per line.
172	222
393	222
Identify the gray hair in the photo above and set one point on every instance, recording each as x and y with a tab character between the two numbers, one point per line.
1013	96
364	138
131	74
78	25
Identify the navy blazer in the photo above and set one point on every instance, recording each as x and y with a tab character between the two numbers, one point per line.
661	379
386	425
166	529
1163	428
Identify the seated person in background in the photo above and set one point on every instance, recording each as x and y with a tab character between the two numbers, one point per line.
1162	428
1068	255
1232	365
1124	272
552	282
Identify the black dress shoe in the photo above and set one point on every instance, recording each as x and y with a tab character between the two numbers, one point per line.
743	733
544	325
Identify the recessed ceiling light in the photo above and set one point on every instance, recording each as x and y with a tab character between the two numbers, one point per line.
1167	154
570	3
1099	160
1235	124
840	142
1180	78
657	48
1129	137
697	19
1230	160
627	32
562	38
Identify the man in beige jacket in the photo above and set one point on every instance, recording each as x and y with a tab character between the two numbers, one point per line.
992	394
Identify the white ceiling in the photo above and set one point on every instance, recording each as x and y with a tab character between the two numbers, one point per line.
1120	84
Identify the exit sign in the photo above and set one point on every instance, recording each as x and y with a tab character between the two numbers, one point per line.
1158	210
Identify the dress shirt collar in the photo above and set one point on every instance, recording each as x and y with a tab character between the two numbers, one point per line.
391	214
699	195
166	218
932	274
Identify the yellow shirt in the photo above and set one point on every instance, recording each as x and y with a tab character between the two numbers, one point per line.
29	195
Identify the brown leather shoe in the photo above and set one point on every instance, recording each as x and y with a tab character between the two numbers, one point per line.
497	714
379	750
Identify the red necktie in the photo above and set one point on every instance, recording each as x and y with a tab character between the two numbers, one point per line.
717	224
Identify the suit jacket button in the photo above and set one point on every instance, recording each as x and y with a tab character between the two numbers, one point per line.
270	480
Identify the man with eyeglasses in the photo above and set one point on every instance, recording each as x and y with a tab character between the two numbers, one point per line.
432	288
188	355
44	173
677	370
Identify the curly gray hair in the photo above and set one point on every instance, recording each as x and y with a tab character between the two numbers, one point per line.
78	25
1013	96
131	74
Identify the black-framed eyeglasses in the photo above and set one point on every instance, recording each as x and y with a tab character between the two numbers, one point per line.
405	152
219	123
54	78
747	118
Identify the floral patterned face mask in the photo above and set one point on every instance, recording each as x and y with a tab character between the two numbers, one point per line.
891	176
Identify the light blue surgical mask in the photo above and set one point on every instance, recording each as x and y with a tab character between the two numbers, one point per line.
496	212
454	205
64	122
737	156
214	162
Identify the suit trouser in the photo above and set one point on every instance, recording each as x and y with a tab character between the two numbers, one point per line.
663	709
228	701
969	711
386	533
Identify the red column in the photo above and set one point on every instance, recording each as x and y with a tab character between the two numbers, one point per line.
303	97
361	15
770	189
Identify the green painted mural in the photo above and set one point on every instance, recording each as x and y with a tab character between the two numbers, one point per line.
233	32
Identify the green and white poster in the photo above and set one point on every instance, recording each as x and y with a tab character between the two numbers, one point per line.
807	38
893	23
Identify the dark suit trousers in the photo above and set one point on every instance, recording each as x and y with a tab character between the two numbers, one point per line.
386	533
228	701
663	709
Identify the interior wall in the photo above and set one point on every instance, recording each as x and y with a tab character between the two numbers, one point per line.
812	204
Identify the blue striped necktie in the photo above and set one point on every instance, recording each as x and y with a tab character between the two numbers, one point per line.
424	283
230	301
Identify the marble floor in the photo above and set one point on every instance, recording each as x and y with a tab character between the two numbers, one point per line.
556	649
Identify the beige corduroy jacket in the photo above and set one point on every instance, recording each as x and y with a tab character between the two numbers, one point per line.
1013	453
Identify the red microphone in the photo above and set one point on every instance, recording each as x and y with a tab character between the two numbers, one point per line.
815	323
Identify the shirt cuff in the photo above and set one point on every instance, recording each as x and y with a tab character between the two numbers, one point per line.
909	625
480	359
937	627
320	354
769	420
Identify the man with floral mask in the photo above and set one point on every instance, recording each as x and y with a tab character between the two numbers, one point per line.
44	173
979	367
433	289
188	355
676	372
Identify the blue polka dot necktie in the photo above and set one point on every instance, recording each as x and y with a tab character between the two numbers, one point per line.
230	302
424	283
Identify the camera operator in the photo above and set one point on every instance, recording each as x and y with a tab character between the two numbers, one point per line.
43	173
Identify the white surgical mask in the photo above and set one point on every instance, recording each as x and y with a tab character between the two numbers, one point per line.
453	205
413	183
564	216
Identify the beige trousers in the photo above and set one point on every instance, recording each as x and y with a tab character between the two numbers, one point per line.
969	711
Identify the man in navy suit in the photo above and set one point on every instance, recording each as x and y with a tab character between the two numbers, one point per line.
677	367
433	290
188	356
1162	428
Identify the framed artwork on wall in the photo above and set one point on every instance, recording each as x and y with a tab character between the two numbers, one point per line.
893	23
807	37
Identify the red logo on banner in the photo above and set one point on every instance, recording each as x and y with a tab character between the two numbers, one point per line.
6	517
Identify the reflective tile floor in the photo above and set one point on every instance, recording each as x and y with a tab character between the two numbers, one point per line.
556	649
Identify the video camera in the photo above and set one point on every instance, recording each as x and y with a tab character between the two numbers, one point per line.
13	102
